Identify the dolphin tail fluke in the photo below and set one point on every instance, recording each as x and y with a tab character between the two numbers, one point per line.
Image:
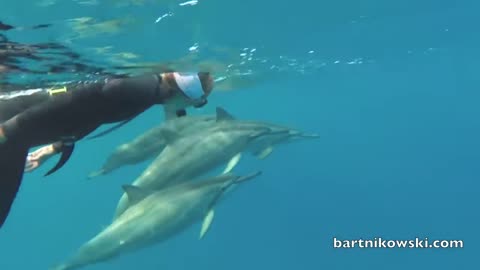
12	163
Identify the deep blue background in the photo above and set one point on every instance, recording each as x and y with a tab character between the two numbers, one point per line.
398	157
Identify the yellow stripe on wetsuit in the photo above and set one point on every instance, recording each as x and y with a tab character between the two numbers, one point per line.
55	91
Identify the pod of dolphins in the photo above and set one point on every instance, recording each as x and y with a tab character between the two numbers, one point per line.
173	193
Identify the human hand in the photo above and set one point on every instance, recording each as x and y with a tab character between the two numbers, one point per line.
38	157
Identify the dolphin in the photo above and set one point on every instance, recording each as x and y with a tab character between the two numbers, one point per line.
263	146
152	143
155	216
187	157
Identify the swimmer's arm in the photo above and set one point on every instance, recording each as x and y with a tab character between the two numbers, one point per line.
141	91
35	117
36	158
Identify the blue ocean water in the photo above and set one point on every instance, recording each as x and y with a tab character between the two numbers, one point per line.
391	87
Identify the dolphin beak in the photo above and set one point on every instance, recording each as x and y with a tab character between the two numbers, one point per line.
310	135
248	177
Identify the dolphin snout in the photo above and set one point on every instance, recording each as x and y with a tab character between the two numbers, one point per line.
300	134
248	176
309	135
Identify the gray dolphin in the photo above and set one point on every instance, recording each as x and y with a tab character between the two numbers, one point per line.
190	156
154	217
263	146
152	143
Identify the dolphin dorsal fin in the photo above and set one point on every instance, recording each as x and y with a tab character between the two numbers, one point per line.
223	115
134	194
169	135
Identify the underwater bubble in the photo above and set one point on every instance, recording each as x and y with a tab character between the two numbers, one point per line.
194	47
88	3
219	79
163	16
189	3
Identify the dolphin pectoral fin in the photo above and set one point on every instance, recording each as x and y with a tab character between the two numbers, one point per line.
264	153
67	150
223	115
135	194
232	163
207	221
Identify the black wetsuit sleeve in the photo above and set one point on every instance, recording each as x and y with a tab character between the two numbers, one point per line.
58	146
44	115
85	107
